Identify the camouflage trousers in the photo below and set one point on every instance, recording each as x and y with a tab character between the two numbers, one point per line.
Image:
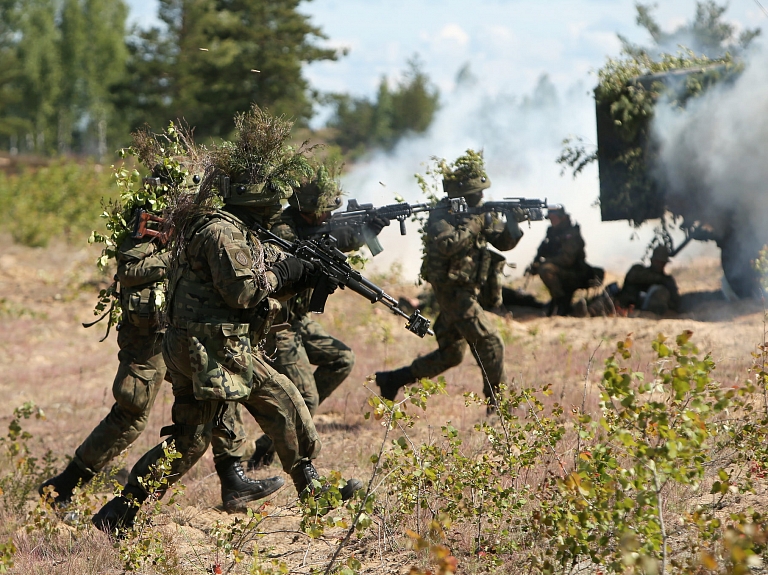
563	282
275	403
139	375
306	344
462	323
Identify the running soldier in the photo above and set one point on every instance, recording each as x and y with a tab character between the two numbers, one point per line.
456	262
306	343
219	309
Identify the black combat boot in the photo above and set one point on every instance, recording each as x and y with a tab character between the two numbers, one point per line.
304	475
237	489
559	306
264	455
119	514
390	382
66	481
564	306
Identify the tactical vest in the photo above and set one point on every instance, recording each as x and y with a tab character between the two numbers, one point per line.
467	268
221	338
195	299
142	305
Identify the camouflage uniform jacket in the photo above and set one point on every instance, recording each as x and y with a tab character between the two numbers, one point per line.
640	278
291	226
563	247
455	246
222	274
141	269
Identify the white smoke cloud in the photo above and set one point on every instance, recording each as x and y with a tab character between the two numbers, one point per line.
521	137
713	158
719	140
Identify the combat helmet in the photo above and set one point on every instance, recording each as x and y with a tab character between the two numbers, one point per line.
319	193
465	176
258	167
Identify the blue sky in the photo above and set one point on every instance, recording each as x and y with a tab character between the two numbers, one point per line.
509	45
509	42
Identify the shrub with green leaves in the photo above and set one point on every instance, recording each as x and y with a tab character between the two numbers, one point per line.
61	200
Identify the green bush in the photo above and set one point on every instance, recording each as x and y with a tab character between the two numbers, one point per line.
62	199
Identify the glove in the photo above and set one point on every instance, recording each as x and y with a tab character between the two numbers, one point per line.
377	224
290	270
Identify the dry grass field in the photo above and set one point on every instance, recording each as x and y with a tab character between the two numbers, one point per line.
49	359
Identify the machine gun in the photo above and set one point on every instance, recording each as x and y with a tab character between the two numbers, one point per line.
358	215
522	209
336	271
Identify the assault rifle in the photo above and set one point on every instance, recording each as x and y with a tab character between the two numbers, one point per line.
522	209
141	218
358	215
334	270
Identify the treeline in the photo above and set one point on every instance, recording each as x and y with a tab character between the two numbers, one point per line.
74	79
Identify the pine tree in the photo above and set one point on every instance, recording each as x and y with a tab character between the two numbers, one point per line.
200	67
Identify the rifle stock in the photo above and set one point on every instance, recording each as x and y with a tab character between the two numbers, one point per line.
141	230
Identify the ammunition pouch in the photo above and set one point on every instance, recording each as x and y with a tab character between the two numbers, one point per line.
490	289
221	359
262	322
142	307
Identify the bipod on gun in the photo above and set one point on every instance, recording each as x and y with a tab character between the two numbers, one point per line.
334	270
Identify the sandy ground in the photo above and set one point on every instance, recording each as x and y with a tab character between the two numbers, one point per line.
48	358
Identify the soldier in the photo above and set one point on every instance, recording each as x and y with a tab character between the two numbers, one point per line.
561	262
306	343
649	288
219	309
455	263
141	270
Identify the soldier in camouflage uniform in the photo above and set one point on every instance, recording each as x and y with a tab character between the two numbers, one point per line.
306	343
561	262
456	262
141	271
219	309
649	287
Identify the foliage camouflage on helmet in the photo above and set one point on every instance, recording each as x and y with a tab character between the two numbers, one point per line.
466	175
261	167
321	192
168	155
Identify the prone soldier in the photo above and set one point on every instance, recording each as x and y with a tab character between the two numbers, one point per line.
650	288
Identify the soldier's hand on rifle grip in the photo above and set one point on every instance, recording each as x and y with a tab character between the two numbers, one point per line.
289	271
377	224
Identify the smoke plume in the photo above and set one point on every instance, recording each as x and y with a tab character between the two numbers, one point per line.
713	158
521	136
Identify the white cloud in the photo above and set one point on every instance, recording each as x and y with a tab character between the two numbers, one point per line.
454	33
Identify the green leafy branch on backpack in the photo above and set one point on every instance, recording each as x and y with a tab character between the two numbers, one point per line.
164	155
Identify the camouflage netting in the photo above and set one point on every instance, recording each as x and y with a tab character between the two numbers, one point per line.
260	154
320	192
467	167
466	175
626	95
